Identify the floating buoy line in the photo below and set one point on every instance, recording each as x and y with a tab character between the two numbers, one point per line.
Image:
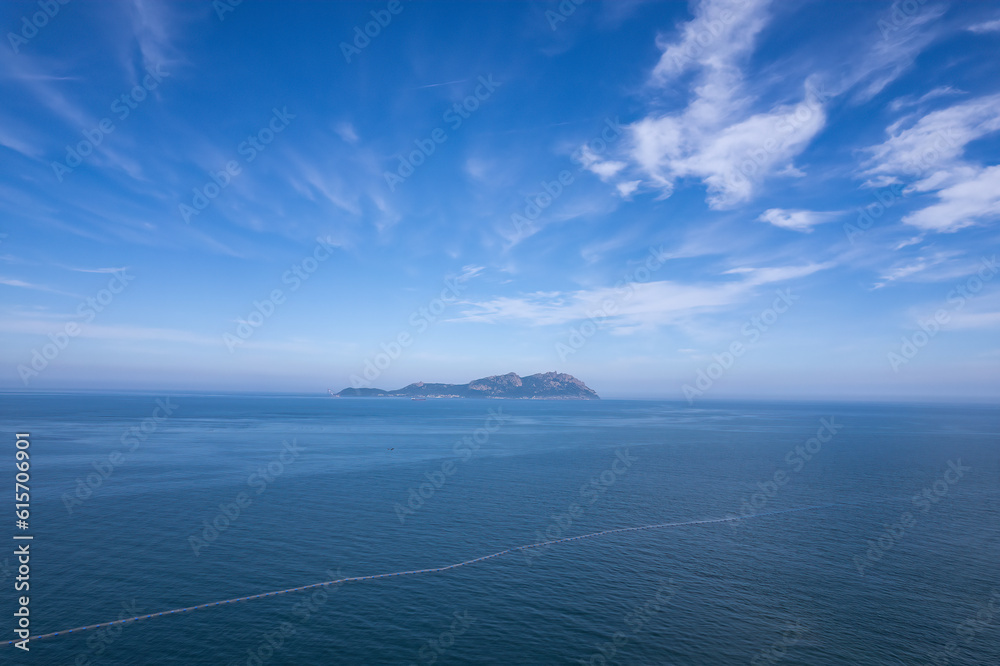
351	579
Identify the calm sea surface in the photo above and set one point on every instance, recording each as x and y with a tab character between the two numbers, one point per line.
130	512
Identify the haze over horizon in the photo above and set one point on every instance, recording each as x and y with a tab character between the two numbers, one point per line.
788	200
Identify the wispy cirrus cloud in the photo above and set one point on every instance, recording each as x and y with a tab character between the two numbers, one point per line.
14	135
650	304
723	136
986	26
121	333
932	149
346	131
14	282
913	100
153	30
902	36
934	143
95	270
718	137
797	220
933	267
975	200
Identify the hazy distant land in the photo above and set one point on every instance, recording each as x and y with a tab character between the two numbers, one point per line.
541	386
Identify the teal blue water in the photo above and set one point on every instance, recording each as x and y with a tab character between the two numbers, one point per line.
303	489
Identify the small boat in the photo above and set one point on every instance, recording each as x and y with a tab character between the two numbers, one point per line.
418	398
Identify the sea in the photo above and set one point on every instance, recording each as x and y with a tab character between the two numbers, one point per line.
779	532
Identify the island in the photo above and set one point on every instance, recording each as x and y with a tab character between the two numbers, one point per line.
541	386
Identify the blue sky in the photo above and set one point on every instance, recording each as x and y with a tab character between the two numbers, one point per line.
744	198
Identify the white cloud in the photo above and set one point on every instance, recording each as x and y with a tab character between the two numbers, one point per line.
933	144
899	273
151	23
732	161
906	242
717	138
150	34
627	188
15	140
722	32
796	220
595	252
963	204
14	282
932	151
903	35
988	26
477	168
468	272
606	170
312	178
910	100
95	270
346	132
145	334
48	90
760	276
649	303
920	269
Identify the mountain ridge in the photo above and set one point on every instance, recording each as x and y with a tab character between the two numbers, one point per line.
540	386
